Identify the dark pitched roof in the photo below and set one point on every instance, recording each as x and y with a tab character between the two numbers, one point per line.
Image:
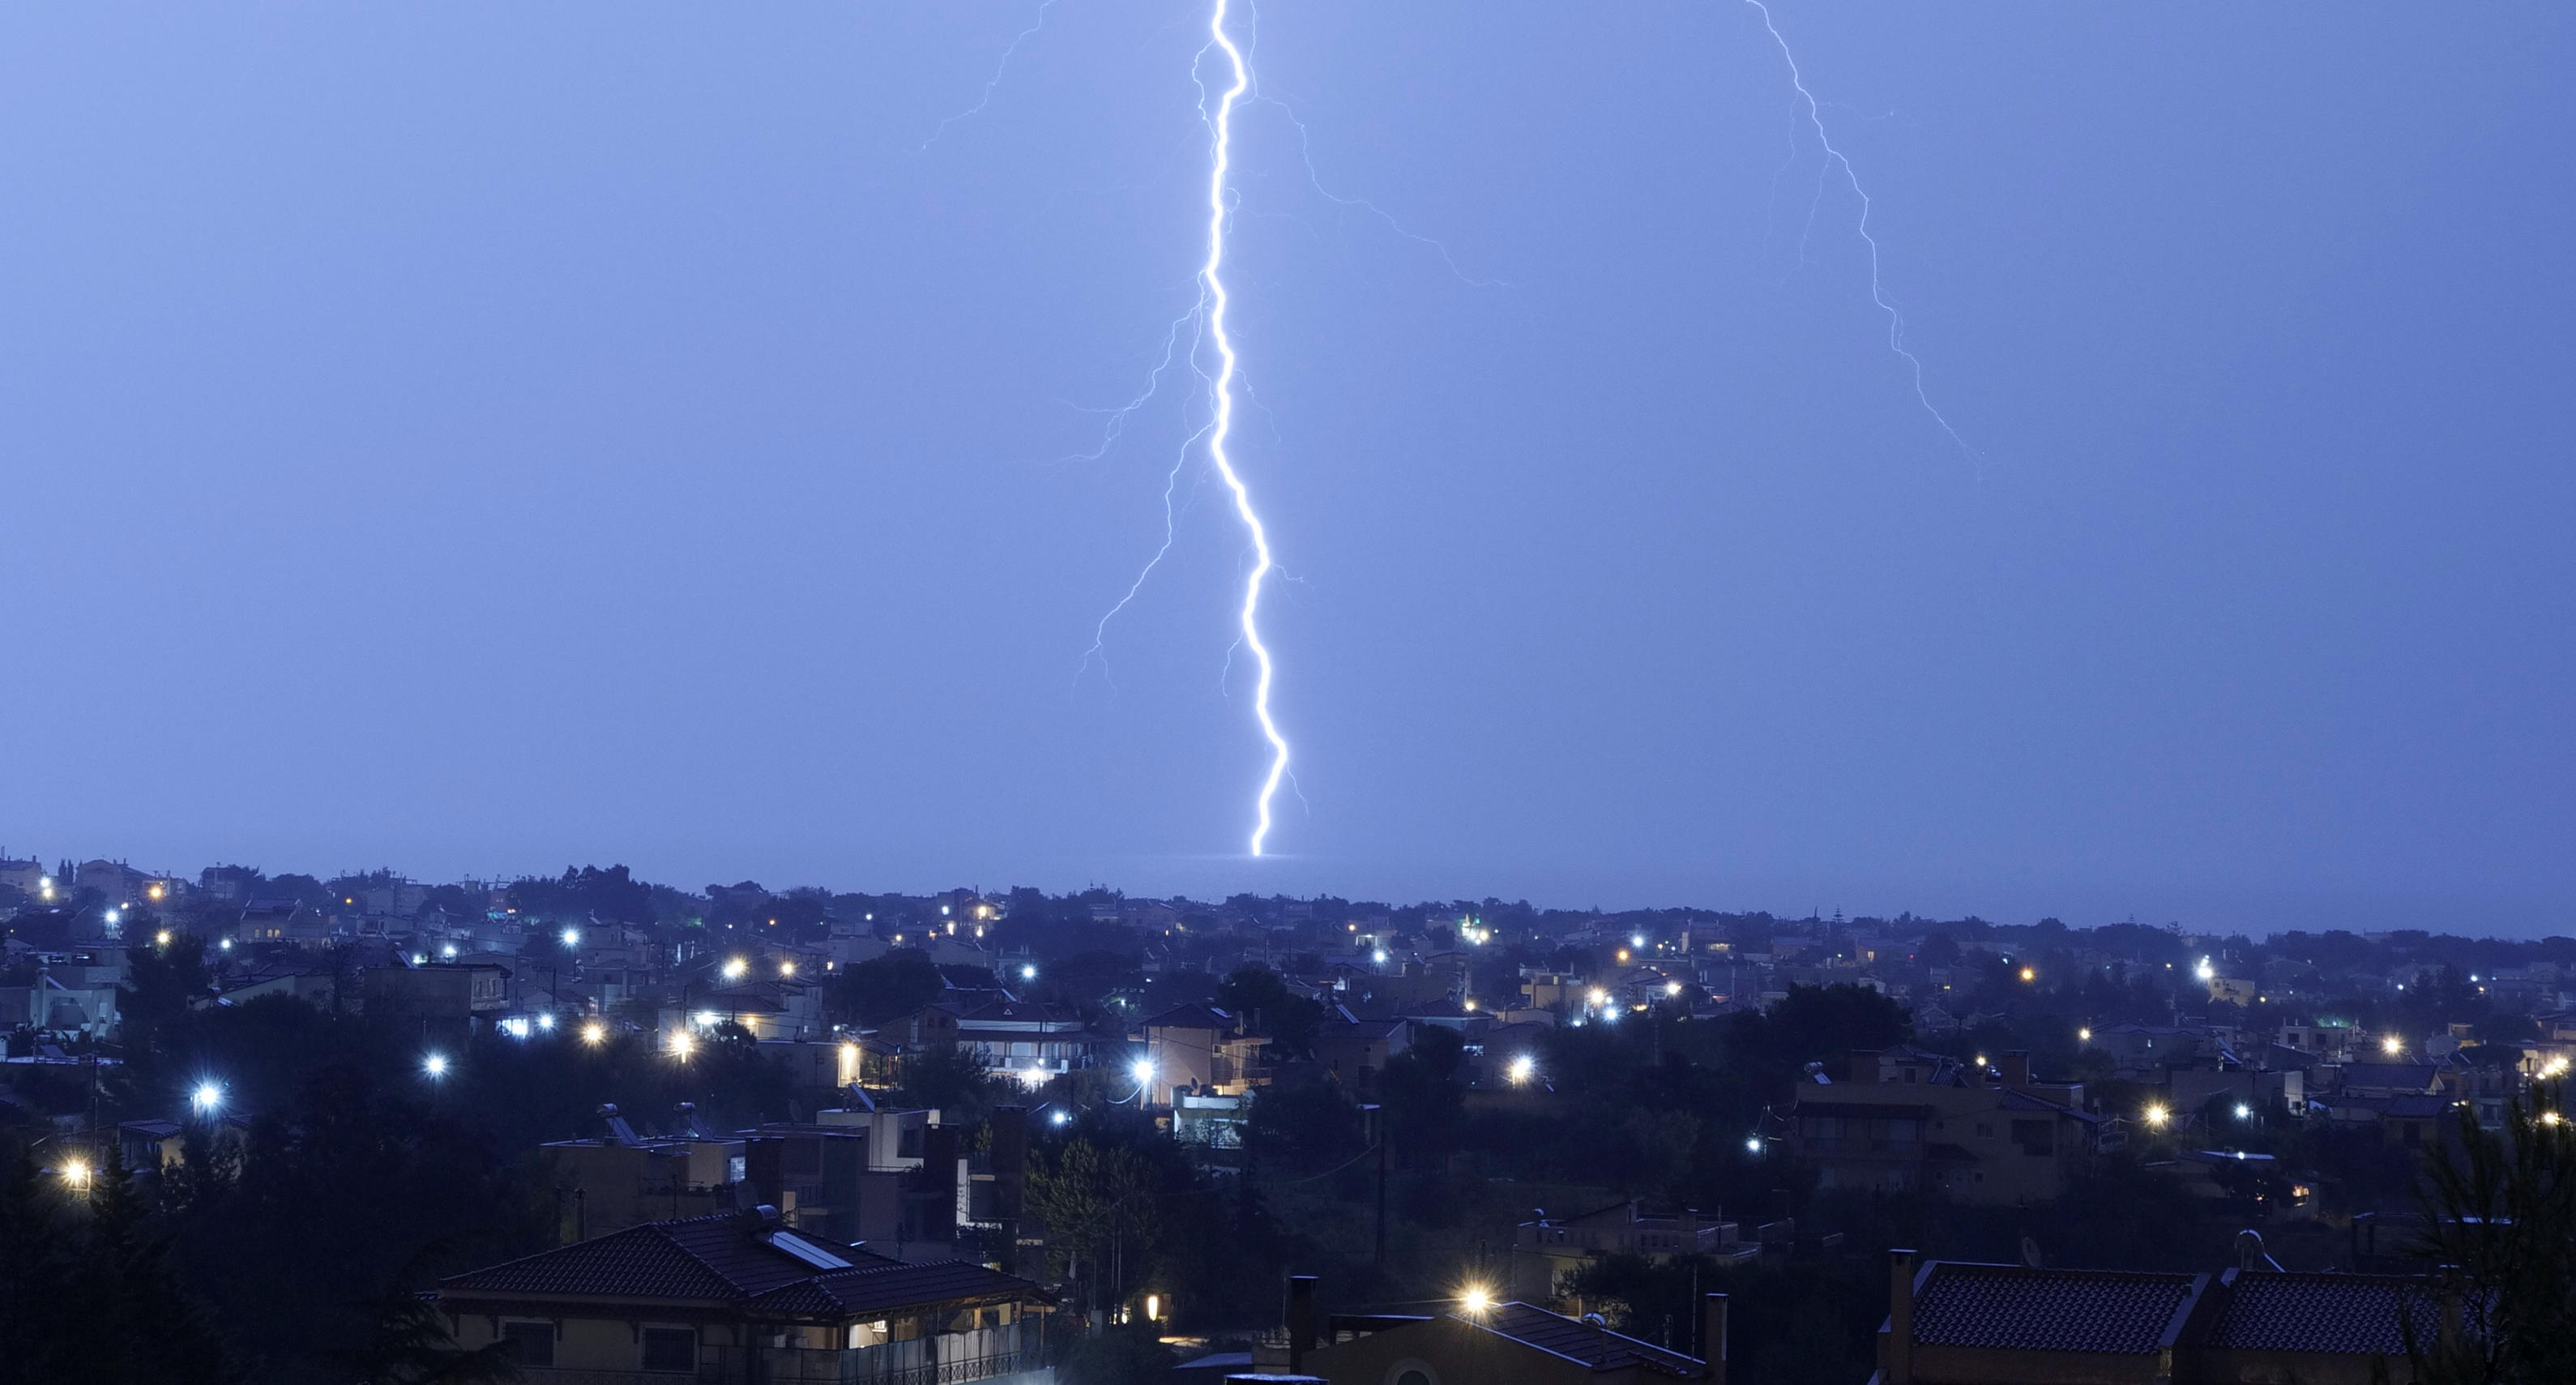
1969	1305
2356	1313
870	1288
1598	1348
718	1257
1193	1016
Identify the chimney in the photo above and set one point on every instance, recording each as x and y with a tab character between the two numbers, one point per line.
2016	1068
1301	1320
1900	1317
1712	1337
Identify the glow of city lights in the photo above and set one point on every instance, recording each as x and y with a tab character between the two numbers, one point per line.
207	1099
1034	1077
435	1065
736	968
706	1019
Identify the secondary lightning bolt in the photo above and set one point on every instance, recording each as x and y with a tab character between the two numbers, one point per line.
1877	294
1221	393
994	82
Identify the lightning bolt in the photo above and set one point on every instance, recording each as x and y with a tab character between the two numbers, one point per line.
1877	293
994	82
1221	391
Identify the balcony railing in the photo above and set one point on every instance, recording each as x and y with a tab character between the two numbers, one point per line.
955	1359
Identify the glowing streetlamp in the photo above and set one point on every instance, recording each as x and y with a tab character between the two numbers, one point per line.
572	937
207	1098
2392	1045
2156	1116
435	1066
735	968
76	1173
1476	1300
594	1033
1523	1068
1028	973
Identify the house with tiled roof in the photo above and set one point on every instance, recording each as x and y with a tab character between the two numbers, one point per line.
1209	1050
1978	1135
739	1297
1958	1323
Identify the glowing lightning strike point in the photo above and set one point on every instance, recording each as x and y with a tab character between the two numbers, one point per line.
1834	157
1221	390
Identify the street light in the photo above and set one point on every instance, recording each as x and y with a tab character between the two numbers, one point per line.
546	1021
1753	1144
207	1099
435	1065
1476	1300
1028	973
2156	1116
572	937
735	968
76	1173
2392	1045
2244	1112
1143	1071
1523	1069
594	1033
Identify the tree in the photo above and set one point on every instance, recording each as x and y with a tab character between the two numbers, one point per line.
887	988
1263	999
411	1346
1098	1202
2500	1216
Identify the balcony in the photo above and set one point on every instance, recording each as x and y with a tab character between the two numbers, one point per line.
956	1358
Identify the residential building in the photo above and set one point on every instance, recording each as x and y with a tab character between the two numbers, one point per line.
1546	1250
1915	1121
1202	1048
739	1297
1955	1323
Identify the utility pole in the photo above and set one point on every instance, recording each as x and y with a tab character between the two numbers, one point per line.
1373	1118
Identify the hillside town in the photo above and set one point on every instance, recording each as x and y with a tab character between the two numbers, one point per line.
1001	1134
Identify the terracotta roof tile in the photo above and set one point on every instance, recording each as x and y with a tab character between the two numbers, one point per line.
2319	1312
2047	1310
